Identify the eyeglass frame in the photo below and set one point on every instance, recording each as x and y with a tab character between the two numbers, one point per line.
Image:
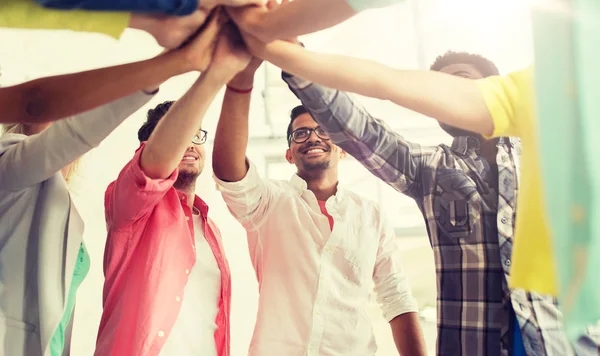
203	137
310	132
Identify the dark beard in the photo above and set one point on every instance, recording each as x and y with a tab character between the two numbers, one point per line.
319	166
185	180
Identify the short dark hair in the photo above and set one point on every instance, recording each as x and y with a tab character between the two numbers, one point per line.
153	117
297	111
486	67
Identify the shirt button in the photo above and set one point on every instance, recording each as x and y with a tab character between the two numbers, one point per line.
187	271
507	263
178	299
187	218
503	220
161	333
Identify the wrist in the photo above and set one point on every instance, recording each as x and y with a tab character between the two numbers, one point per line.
217	76
242	81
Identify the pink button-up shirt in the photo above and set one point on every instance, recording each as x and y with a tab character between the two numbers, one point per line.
150	251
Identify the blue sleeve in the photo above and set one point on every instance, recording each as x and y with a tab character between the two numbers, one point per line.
170	7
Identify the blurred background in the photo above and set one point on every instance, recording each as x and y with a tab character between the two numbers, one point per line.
407	36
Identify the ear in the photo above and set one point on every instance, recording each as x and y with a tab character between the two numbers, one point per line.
288	156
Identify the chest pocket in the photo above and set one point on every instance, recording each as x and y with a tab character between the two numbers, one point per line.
453	213
359	247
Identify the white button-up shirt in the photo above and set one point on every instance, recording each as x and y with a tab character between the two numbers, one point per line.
315	282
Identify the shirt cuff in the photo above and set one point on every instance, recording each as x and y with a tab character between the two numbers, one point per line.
406	304
294	81
250	180
142	181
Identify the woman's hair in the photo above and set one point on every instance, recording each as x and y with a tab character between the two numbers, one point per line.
22	129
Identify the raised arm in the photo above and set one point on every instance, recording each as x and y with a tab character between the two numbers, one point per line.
40	156
36	158
450	99
300	17
172	135
395	296
231	138
53	98
379	148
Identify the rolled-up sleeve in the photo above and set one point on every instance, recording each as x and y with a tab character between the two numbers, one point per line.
133	194
248	199
394	294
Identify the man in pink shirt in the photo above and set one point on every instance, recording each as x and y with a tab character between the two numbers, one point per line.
168	288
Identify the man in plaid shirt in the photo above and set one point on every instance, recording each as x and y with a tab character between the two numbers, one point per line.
467	193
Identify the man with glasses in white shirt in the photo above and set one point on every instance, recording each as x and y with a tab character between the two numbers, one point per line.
316	248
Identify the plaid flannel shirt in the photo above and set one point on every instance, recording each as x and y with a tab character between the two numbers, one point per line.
470	227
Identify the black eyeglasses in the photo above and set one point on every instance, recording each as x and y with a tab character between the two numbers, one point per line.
302	134
200	137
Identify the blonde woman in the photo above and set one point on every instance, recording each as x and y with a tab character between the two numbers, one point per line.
43	258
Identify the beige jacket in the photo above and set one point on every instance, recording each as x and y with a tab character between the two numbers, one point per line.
40	229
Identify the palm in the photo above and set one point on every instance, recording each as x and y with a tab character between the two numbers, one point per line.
231	51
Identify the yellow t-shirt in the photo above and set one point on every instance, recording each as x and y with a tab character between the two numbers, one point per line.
510	101
28	14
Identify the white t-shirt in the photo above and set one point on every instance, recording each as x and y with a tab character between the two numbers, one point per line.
194	331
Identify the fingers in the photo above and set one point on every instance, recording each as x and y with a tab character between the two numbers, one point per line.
271	4
217	20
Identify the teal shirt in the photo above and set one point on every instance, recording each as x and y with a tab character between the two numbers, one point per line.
82	267
568	82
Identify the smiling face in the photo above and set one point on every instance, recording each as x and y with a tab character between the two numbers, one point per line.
314	155
191	164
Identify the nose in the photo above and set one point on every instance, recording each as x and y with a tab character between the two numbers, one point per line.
312	137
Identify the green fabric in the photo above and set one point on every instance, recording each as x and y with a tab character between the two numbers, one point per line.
82	267
27	14
567	59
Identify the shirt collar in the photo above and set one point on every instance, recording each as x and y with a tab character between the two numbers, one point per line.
198	202
300	186
464	144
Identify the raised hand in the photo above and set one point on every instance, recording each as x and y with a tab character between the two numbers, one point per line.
169	31
231	55
198	52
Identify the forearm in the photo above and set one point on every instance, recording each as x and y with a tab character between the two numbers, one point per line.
39	157
173	134
28	14
446	98
170	7
231	138
57	97
290	19
408	336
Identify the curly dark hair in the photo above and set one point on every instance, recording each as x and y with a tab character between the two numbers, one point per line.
297	111
486	67
153	117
